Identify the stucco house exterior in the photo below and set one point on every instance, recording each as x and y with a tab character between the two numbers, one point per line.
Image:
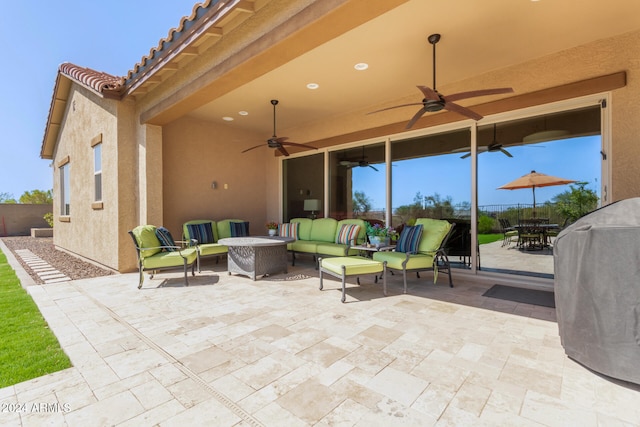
157	145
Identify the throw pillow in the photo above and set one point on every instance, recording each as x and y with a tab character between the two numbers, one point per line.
289	230
203	233
409	239
146	237
348	234
239	229
165	239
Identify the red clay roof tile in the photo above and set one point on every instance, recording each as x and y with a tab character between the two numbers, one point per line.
98	81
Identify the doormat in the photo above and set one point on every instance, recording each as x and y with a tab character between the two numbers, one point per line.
526	296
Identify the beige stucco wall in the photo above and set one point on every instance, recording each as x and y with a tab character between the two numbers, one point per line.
128	184
88	232
197	153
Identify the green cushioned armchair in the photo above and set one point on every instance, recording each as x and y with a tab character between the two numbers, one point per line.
154	256
429	256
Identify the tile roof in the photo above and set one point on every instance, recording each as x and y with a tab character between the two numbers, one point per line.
98	81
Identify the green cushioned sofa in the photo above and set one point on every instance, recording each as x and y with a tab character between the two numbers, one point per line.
319	236
204	234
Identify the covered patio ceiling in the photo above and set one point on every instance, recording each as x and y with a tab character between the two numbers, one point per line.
477	38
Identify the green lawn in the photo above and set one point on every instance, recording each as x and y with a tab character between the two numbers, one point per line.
489	238
28	348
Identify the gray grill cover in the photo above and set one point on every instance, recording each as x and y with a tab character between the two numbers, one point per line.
597	290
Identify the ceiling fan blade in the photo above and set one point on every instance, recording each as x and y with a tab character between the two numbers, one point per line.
462	110
415	117
283	151
506	153
375	169
475	93
429	93
481	149
253	148
395	106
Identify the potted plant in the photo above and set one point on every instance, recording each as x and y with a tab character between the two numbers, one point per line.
272	228
380	235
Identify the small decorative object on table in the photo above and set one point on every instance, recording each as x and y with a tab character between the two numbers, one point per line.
380	235
272	228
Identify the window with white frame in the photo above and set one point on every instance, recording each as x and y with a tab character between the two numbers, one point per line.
65	189
97	172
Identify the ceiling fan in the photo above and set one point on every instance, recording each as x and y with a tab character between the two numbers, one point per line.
358	163
493	147
278	142
434	101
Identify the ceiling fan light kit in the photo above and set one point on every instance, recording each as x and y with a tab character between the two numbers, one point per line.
433	101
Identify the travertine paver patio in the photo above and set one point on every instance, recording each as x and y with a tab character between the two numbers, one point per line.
227	351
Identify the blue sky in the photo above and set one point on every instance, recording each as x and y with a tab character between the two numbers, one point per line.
575	158
37	37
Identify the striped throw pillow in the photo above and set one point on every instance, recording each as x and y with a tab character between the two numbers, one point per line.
289	229
409	239
348	234
203	233
239	229
165	239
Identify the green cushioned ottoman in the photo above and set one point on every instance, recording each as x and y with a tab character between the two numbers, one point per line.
341	267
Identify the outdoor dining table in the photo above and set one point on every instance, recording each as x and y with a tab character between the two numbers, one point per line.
531	230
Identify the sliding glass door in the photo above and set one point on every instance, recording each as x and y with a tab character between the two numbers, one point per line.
434	175
357	182
303	186
561	152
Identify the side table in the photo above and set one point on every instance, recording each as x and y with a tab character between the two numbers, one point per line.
369	250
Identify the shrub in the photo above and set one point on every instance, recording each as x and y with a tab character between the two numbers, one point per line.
485	224
49	218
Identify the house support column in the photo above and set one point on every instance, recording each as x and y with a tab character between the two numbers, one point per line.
150	175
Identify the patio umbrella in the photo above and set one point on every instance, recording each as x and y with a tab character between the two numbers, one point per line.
533	180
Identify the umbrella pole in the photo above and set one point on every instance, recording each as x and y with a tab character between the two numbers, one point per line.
533	188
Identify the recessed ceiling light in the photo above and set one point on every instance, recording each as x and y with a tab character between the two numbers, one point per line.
227	119
243	113
313	86
360	66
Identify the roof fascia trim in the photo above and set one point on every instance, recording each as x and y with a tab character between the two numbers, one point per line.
61	90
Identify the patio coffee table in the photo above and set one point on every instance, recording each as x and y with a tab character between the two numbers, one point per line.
256	256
